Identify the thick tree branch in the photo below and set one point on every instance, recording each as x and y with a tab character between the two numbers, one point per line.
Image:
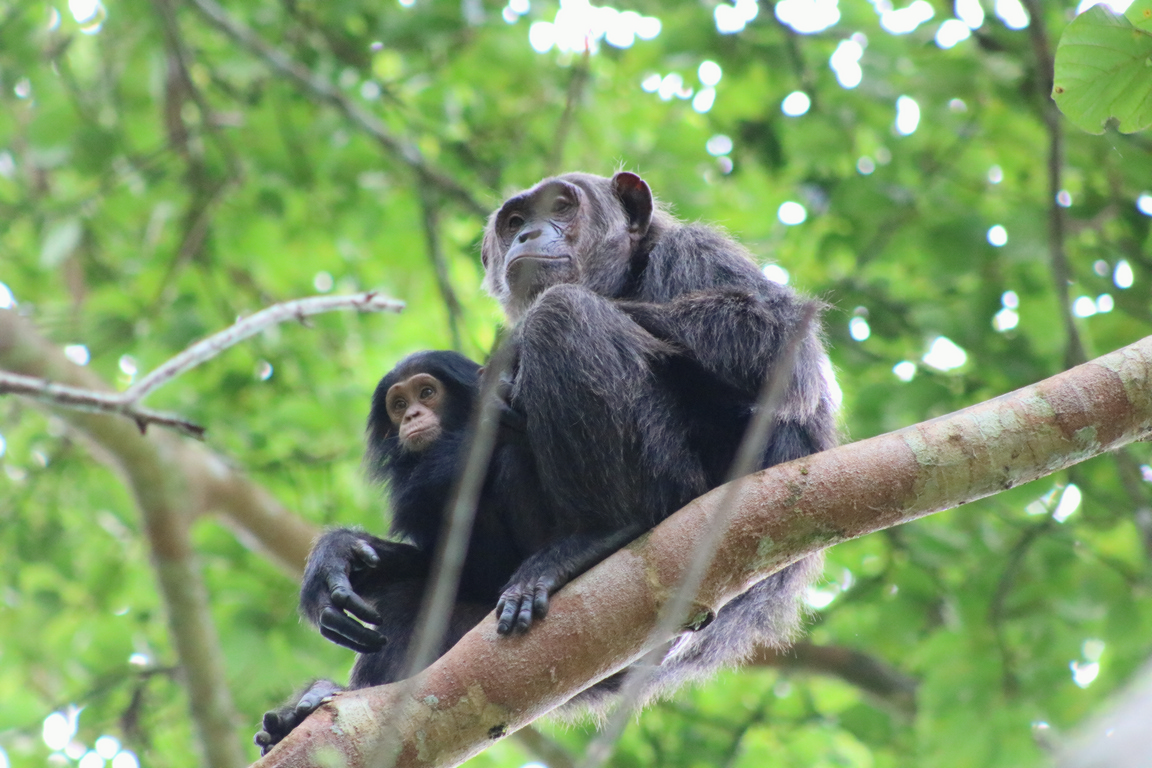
488	686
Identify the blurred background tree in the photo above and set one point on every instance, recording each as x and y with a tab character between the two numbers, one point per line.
166	167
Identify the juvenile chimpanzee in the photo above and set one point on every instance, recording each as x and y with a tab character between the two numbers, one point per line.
416	436
642	346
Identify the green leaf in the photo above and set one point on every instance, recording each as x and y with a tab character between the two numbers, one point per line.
1104	69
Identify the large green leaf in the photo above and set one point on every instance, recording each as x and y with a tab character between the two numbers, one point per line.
1104	69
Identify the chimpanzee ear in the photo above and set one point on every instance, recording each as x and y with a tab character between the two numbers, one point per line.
636	198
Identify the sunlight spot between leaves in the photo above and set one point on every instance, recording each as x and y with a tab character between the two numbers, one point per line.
997	236
77	353
795	104
905	370
791	213
264	370
709	73
580	26
1084	674
731	19
1069	503
776	274
903	20
845	62
125	759
865	166
1118	6
1009	300
719	145
1084	306
821	598
1012	13
3	445
808	16
1144	204
59	727
1005	320
1122	276
907	115
944	355
859	329
704	100
7	300
952	32
970	12
995	175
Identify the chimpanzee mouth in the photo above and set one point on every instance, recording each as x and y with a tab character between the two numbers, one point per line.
537	257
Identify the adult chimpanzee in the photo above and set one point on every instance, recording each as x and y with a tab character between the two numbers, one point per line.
642	344
416	435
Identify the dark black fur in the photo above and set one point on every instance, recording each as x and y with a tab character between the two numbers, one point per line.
642	346
351	574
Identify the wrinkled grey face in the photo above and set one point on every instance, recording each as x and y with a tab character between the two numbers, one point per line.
535	236
575	228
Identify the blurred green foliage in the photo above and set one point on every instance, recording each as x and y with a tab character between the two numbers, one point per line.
145	203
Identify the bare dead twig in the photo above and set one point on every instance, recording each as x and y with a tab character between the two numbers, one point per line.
126	403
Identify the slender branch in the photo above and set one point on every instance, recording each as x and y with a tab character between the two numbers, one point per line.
431	209
868	673
576	86
126	403
297	309
1074	353
323	91
93	402
550	753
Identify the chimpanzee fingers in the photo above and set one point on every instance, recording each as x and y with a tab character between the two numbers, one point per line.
540	601
363	556
507	610
346	631
520	605
346	599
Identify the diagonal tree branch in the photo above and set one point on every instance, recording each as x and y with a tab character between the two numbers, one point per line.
488	686
322	90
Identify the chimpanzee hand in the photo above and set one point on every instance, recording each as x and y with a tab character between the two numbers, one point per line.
278	723
525	596
327	595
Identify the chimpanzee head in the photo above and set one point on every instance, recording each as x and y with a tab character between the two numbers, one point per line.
575	228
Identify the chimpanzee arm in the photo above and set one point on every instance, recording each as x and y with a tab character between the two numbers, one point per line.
735	335
341	563
526	595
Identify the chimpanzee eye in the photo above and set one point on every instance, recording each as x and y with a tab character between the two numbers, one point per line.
399	404
515	222
426	393
562	203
